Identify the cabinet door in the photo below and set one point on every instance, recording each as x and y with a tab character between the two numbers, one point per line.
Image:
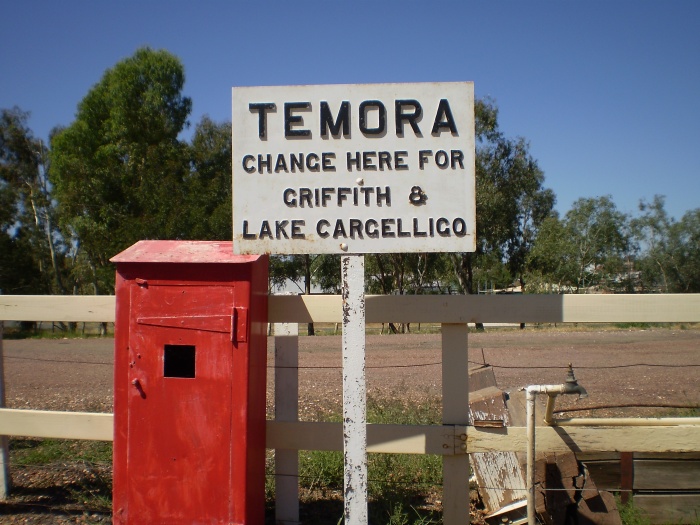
179	406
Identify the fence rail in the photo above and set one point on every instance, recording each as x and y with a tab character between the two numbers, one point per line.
454	439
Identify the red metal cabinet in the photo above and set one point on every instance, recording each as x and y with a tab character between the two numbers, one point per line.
189	393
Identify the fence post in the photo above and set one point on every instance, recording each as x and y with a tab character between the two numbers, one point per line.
4	448
455	411
286	409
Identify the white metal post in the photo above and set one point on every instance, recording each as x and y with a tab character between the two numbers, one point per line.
354	390
286	409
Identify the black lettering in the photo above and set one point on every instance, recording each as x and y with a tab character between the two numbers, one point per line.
441	159
343	195
431	226
367	162
319	225
416	231
442	226
457	158
444	118
367	192
423	157
459	227
339	230
305	195
356	228
262	109
399	163
247	235
343	120
384	160
267	163
281	164
412	118
296	229
312	162
280	229
399	226
326	195
289	198
246	167
384	196
374	225
296	162
326	159
295	120
265	230
381	126
386	228
353	160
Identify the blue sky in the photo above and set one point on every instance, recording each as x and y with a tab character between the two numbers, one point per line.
606	92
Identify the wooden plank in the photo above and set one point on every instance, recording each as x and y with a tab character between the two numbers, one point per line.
455	411
588	439
395	439
654	474
60	425
626	476
605	474
65	308
4	445
286	409
615	308
669	508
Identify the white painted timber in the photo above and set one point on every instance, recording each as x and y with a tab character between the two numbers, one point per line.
619	308
389	439
455	411
65	308
286	409
59	425
4	446
352	270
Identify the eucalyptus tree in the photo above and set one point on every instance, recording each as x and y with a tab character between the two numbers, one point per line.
119	168
511	201
589	247
670	250
28	216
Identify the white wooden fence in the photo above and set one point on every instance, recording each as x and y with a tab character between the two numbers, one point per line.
454	439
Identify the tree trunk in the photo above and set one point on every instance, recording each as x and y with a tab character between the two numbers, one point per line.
307	288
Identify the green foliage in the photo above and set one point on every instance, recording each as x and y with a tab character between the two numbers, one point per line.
511	201
30	260
397	482
208	187
631	515
119	169
587	248
46	451
670	260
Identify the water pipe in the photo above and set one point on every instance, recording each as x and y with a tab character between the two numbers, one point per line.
571	386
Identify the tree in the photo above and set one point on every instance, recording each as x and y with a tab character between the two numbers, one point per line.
511	201
28	217
119	169
670	258
209	183
587	248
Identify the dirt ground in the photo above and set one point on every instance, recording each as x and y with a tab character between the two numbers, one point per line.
659	366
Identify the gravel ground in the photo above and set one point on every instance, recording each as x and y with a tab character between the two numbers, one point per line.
654	366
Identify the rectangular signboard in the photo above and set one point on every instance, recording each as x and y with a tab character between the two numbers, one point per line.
359	168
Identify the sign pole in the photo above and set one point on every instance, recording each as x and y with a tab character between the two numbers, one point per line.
354	390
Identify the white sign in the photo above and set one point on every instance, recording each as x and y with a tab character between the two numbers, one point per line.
366	168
